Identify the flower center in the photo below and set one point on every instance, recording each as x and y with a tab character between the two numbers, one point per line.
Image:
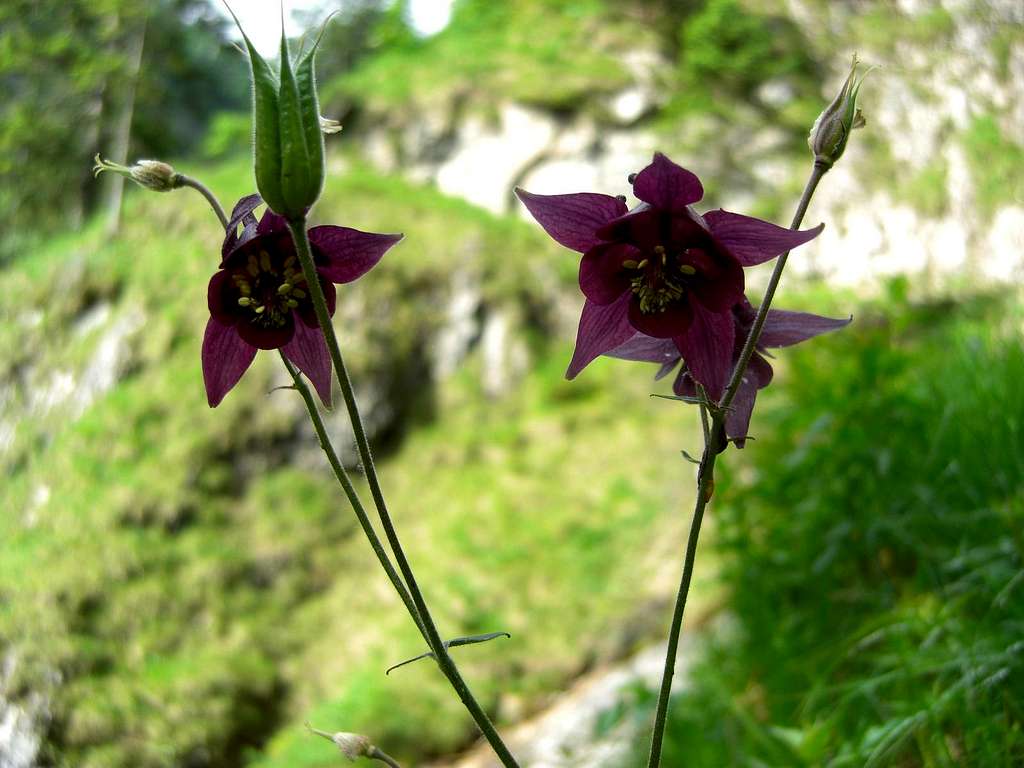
660	280
270	287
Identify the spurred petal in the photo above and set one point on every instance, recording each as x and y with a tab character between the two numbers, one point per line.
665	185
707	348
308	350
759	371
783	328
601	277
737	421
754	241
240	214
601	328
573	220
757	376
721	288
271	222
349	253
225	358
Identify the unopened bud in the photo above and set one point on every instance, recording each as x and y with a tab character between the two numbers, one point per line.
832	129
352	745
288	142
151	174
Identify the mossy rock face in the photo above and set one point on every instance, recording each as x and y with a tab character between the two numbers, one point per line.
179	583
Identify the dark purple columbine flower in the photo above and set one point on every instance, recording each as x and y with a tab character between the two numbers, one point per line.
782	328
661	269
259	298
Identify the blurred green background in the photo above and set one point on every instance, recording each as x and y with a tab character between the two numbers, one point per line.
184	587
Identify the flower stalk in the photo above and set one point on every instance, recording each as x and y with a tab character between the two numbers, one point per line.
715	441
419	611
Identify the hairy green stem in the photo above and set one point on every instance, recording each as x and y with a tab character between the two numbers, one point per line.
350	491
715	443
425	621
181	180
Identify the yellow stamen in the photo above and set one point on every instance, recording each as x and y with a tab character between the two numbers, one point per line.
260	309
244	301
292	303
642	264
265	261
630	263
284	288
298	293
686	269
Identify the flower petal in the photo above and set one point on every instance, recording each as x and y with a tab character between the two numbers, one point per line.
601	277
601	328
266	337
783	328
666	185
670	322
271	222
308	350
218	300
646	349
754	241
573	220
225	358
707	348
349	253
240	214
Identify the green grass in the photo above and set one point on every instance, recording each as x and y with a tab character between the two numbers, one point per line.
873	556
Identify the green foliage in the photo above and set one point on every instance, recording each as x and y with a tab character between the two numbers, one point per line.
229	134
726	46
726	50
874	555
63	66
554	53
996	163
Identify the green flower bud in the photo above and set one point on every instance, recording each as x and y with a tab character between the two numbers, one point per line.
832	129
151	174
288	145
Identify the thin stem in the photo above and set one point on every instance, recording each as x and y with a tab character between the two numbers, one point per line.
181	180
376	754
350	491
430	633
817	172
705	487
714	443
